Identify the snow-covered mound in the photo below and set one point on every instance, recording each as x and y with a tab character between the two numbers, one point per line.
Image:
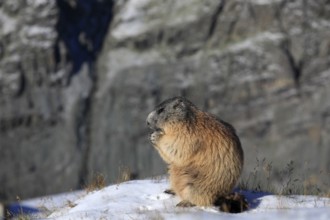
144	199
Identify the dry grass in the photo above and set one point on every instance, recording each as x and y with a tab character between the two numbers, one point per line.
158	178
21	216
327	194
259	180
264	178
125	174
70	204
98	182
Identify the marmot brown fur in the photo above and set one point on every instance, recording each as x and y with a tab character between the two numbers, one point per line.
204	153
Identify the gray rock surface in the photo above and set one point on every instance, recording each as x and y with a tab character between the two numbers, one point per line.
263	66
37	134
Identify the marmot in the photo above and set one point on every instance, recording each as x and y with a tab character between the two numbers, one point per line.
204	154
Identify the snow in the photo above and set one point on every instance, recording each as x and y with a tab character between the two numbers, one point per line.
145	199
54	202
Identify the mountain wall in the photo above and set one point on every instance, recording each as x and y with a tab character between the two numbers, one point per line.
78	78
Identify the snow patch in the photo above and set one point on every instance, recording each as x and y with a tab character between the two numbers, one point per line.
144	199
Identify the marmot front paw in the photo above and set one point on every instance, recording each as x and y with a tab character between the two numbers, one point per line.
154	137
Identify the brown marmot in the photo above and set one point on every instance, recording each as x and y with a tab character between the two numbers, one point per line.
204	153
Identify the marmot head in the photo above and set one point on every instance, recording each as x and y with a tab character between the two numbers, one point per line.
173	110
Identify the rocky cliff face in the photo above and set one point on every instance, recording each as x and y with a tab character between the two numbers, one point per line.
69	111
47	76
261	65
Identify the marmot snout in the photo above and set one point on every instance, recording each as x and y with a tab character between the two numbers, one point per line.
204	154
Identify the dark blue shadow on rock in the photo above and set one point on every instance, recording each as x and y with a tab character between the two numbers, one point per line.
82	27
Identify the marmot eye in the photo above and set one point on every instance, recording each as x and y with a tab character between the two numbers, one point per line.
160	110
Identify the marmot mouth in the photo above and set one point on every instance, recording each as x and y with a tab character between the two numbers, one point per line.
155	129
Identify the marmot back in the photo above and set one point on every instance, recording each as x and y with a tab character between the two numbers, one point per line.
204	153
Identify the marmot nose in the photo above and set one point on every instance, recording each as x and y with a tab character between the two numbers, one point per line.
150	119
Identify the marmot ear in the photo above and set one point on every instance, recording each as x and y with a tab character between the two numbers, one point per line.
178	103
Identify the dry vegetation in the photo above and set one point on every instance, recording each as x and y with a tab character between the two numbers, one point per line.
125	175
261	179
98	182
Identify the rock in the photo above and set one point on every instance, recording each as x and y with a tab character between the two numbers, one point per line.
37	144
75	91
261	65
45	93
